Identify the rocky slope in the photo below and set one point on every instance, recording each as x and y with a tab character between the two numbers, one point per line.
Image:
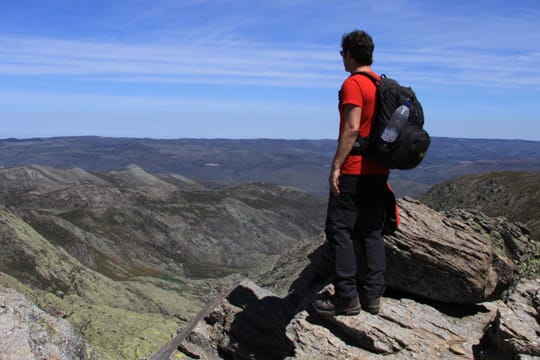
513	194
30	333
419	319
121	319
128	257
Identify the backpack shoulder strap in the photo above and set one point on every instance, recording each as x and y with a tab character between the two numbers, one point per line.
371	77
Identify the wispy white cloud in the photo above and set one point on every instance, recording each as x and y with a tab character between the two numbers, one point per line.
256	63
183	63
279	43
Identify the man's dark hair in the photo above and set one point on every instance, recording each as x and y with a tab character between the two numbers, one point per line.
360	45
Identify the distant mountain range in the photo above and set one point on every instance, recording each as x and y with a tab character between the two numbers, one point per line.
299	163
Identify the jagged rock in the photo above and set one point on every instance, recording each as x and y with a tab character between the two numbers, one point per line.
250	322
404	329
255	324
29	333
517	328
444	258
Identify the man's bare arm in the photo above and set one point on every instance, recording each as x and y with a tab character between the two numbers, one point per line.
347	137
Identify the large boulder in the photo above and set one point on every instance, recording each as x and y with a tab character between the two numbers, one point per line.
458	257
444	258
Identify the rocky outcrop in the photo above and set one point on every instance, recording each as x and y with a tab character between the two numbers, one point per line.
253	323
453	311
516	329
444	258
30	333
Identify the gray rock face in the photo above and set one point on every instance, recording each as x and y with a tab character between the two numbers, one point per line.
29	333
517	326
253	323
444	258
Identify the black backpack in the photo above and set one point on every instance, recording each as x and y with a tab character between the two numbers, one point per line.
408	150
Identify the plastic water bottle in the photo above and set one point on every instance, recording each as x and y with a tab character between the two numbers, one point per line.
398	119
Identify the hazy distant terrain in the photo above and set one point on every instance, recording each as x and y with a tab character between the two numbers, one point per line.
300	163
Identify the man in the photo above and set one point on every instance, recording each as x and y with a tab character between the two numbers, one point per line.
356	207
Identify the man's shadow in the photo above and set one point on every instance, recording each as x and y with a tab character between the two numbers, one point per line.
259	330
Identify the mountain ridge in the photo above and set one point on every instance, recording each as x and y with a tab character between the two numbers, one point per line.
303	164
514	195
133	204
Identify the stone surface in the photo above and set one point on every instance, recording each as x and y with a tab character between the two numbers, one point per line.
255	324
29	333
517	328
443	258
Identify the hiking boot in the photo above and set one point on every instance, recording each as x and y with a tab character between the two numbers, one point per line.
336	305
371	304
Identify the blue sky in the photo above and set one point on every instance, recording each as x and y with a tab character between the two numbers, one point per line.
251	69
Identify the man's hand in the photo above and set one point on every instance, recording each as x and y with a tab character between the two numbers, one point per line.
334	181
347	136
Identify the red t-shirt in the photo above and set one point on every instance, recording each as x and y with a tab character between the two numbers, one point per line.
360	91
